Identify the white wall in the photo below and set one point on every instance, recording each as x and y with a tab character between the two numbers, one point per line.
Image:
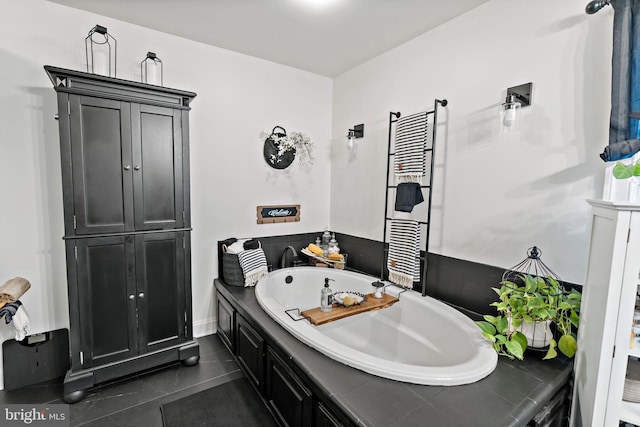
238	96
496	195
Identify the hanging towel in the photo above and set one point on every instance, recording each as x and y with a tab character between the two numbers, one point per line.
404	252
408	194
411	138
254	265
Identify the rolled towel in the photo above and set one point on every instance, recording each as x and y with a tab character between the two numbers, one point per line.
251	244
620	150
21	323
9	310
236	247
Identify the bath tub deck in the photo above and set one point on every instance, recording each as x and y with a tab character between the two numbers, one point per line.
511	396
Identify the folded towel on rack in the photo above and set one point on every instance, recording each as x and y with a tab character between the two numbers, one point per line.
408	194
411	139
404	253
253	264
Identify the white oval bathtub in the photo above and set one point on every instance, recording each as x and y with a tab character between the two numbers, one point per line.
417	340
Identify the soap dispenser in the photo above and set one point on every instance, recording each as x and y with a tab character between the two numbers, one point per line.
326	300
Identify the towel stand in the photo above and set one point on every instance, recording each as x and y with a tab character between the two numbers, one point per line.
393	118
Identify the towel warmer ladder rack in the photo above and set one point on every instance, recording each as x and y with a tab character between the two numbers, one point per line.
393	118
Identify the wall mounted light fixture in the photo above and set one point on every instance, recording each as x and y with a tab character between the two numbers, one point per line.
517	97
151	69
356	132
595	6
101	48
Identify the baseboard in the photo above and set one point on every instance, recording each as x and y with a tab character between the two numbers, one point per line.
205	327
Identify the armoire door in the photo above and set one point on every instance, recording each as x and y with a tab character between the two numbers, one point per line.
102	170
106	299
160	270
157	164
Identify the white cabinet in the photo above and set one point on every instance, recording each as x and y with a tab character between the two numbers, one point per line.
606	318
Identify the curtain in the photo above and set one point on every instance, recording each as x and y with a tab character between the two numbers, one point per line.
624	129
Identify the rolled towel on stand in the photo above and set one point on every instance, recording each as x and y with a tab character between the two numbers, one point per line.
12	309
16	314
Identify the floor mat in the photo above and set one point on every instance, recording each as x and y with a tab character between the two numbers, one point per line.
235	403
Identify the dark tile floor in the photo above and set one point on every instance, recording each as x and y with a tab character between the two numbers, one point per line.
135	401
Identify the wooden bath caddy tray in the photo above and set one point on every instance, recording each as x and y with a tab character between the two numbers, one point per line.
317	317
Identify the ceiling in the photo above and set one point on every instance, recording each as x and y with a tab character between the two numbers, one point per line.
326	37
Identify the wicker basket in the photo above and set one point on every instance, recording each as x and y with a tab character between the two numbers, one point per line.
631	391
231	271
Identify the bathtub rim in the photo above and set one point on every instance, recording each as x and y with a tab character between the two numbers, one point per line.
457	374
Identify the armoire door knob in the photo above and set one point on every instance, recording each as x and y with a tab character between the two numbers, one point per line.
127	167
141	295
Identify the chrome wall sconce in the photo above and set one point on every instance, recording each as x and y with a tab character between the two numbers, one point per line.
356	132
517	97
151	70
101	48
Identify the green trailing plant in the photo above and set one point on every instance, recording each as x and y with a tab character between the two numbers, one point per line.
533	299
622	171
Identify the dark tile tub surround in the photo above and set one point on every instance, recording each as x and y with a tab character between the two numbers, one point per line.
463	284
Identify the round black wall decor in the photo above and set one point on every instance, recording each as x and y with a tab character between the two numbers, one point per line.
271	150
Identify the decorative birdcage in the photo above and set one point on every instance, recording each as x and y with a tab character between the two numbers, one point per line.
532	280
531	265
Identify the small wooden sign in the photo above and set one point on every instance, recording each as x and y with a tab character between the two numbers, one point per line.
278	213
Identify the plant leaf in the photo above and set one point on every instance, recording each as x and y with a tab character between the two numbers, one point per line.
491	319
568	345
520	338
636	169
515	348
502	325
489	336
486	327
551	353
574	318
622	171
